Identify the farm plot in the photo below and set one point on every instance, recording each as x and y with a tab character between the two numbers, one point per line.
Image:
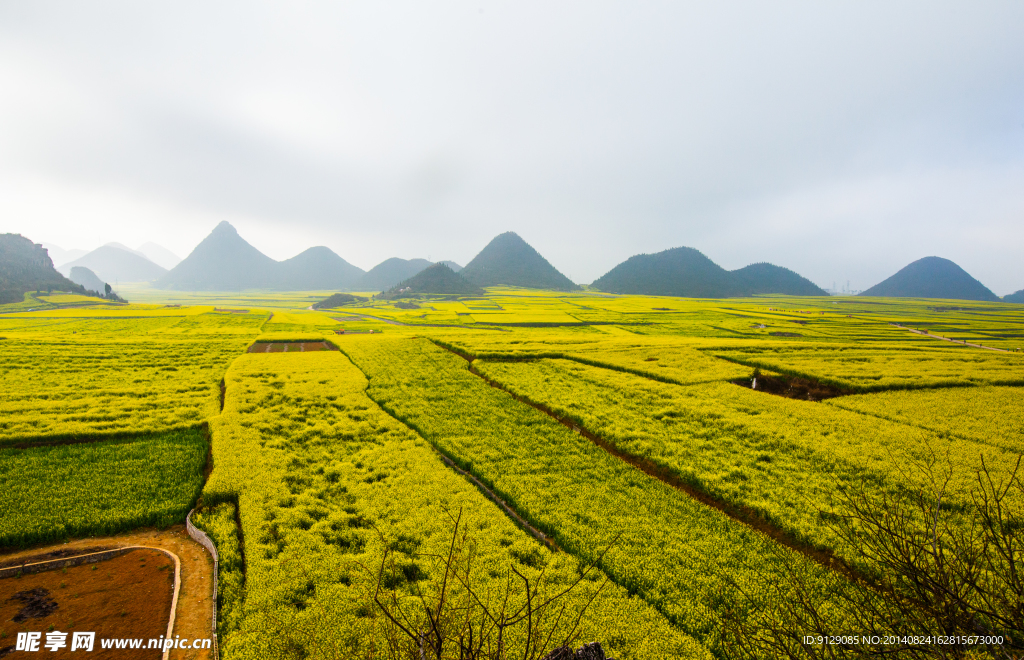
55	492
325	482
290	347
989	415
68	388
661	358
884	367
784	459
125	597
679	555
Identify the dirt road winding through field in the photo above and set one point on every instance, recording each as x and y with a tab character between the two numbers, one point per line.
962	342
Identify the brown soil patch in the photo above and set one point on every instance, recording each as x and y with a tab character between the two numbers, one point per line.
785	334
195	606
290	347
127	596
792	387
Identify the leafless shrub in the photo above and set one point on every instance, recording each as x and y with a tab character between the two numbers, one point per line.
929	568
447	617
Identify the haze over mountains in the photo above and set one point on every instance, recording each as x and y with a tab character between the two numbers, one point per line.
25	266
159	255
436	279
87	278
117	263
111	263
317	268
224	261
60	256
390	272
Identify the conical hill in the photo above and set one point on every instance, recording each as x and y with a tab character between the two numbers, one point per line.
509	260
438	279
932	277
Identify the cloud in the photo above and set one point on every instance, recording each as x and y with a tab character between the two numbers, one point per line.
596	130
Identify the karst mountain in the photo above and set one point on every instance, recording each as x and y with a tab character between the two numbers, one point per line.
932	277
116	263
508	260
436	279
26	266
687	273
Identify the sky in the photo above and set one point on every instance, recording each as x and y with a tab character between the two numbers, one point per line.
842	140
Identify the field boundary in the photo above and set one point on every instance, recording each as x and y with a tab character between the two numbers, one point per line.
745	515
200	537
854	389
63	562
415	325
88	438
554	355
509	511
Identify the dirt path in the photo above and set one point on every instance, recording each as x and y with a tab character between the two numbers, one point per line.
962	342
195	607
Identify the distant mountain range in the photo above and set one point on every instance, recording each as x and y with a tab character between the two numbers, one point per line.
25	266
317	268
116	263
224	261
111	263
159	255
932	277
686	272
390	272
510	261
60	256
436	279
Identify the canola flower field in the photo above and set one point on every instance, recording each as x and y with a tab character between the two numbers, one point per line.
779	457
325	480
623	428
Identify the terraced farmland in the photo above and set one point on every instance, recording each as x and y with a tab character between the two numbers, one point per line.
612	427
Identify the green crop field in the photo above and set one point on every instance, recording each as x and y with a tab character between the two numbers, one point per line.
55	492
611	444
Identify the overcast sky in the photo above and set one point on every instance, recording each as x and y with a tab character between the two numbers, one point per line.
842	140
